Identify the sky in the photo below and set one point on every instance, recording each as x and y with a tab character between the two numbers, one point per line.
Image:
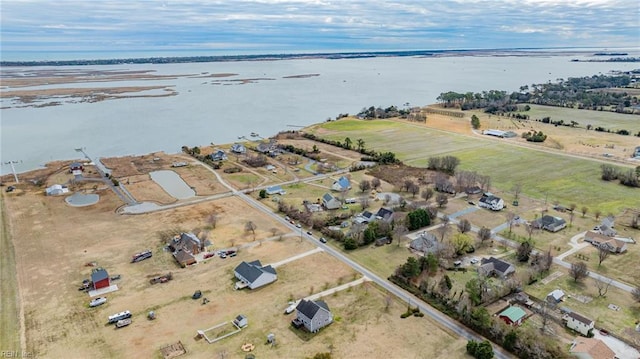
290	26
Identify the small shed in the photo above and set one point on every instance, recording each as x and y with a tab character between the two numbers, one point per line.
513	315
241	321
100	278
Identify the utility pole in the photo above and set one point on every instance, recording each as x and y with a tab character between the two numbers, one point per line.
13	169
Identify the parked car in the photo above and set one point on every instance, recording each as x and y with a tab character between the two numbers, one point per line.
323	240
209	255
97	301
471	203
457	263
292	306
298	225
10	189
474	260
197	294
309	233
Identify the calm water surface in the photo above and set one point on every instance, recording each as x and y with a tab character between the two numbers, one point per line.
203	113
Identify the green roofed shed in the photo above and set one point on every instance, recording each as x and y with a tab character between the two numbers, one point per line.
513	315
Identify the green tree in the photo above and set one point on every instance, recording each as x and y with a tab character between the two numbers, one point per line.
371	232
347	143
510	340
350	244
461	243
475	122
411	268
263	193
360	144
474	291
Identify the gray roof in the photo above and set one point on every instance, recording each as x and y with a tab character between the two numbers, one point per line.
99	274
547	220
310	308
327	197
253	270
384	213
490	199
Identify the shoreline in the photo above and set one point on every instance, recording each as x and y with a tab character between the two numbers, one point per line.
306	56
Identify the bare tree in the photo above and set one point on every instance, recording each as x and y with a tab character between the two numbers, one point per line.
444	228
584	211
530	229
414	189
572	207
571	215
273	231
427	194
603	253
399	230
597	214
441	199
375	183
603	286
387	199
484	234
544	315
387	302
510	217
212	220
251	227
578	271
517	189
364	202
635	293
464	226
365	185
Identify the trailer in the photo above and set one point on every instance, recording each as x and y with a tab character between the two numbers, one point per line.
123	323
119	316
161	278
141	256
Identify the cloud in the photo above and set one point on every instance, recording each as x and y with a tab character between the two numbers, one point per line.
300	25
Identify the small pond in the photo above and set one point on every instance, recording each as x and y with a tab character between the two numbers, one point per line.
172	184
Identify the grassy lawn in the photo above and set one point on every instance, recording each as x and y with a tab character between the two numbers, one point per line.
597	308
609	120
554	176
615	265
9	318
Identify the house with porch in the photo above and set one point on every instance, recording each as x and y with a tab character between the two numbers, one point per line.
254	275
611	244
549	223
491	202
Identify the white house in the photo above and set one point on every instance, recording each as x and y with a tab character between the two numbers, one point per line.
341	184
56	190
254	275
491	202
579	323
275	190
330	202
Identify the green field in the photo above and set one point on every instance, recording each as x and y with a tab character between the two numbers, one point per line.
542	174
9	318
606	119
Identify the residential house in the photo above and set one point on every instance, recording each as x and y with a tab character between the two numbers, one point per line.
238	148
549	223
364	218
495	267
426	243
613	245
275	190
184	248
556	296
384	214
76	168
218	155
343	183
56	190
591	348
606	227
579	323
330	202
491	202
312	315
513	315
100	278
254	275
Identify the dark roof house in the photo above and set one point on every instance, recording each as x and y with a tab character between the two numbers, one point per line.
238	148
218	155
494	266
254	274
426	243
313	315
185	247
384	214
549	223
330	202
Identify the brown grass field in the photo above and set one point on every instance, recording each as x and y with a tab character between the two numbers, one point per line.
56	241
